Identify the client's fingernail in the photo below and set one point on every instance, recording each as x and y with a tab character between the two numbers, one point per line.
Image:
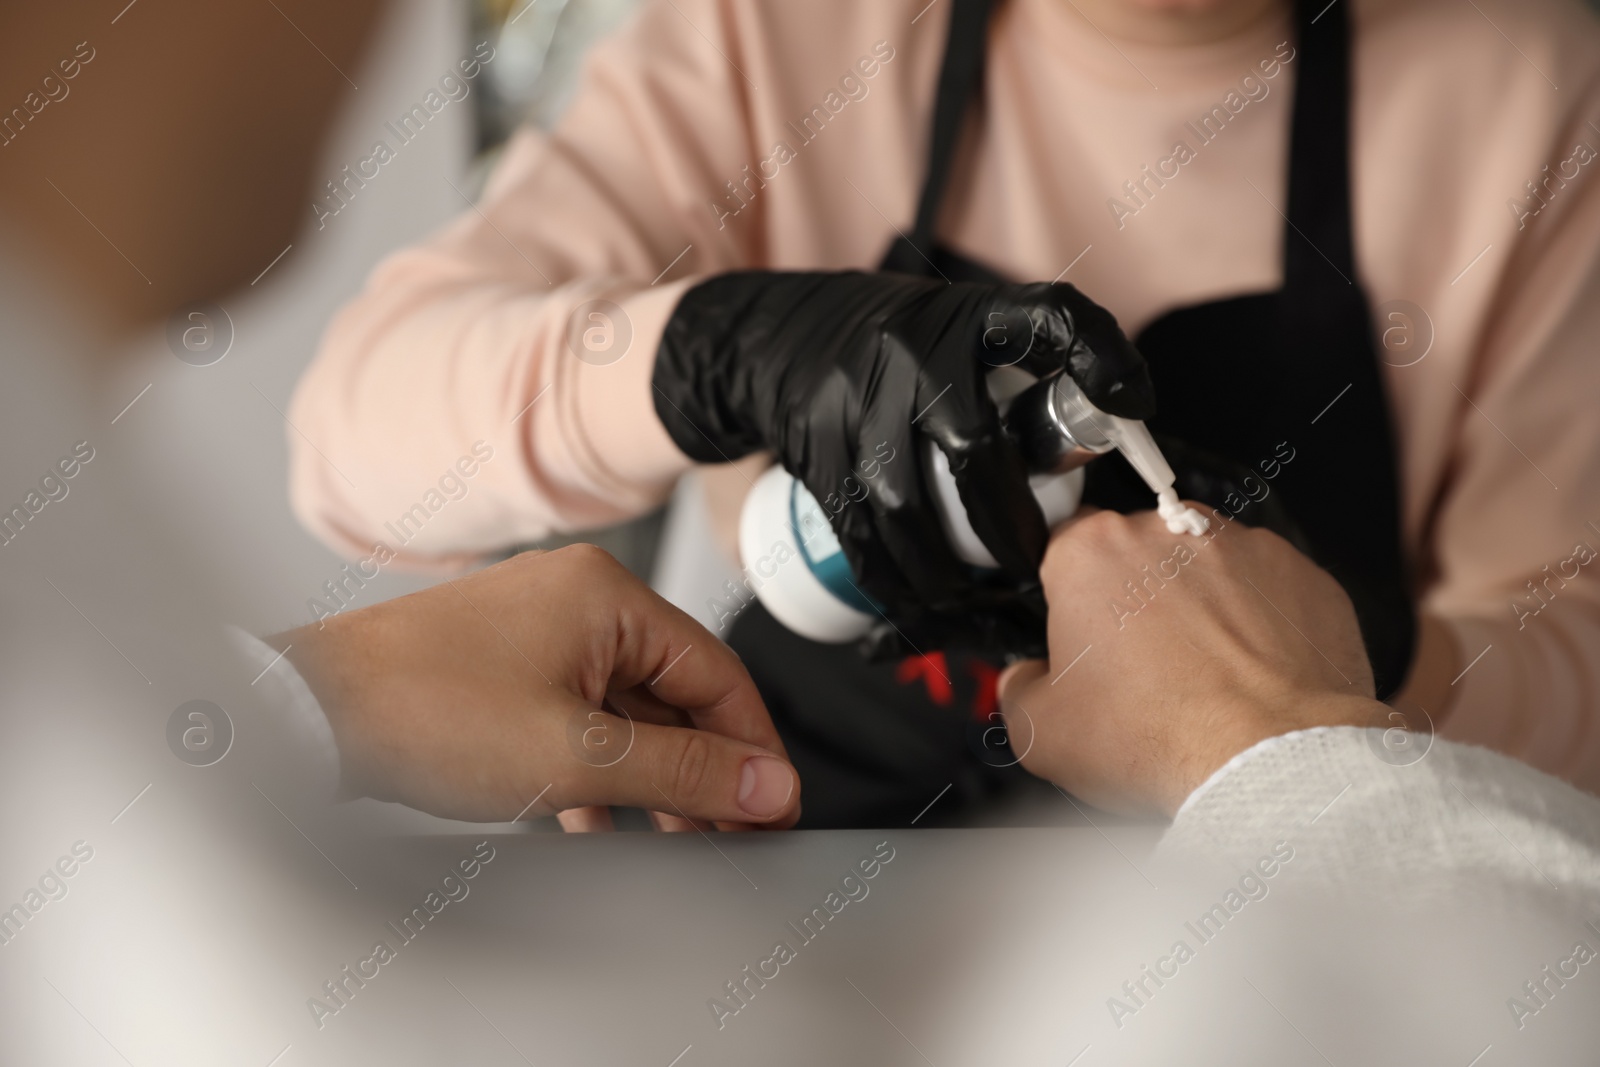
765	786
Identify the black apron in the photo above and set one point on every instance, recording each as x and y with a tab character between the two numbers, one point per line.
1240	384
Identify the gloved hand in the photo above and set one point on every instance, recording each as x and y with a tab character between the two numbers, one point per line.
822	369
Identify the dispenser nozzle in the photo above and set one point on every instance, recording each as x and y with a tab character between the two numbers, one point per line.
1133	440
1058	429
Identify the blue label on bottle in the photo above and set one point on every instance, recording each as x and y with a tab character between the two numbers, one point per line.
820	549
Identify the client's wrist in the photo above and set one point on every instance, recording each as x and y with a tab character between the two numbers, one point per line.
1247	724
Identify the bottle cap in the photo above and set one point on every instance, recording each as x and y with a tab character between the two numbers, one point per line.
793	561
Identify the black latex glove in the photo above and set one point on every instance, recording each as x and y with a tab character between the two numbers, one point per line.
823	369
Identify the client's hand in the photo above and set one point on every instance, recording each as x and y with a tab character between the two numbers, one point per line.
1231	639
472	698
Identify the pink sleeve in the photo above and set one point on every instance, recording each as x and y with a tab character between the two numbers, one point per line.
1518	525
465	345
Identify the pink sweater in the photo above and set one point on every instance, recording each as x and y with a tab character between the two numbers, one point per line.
718	134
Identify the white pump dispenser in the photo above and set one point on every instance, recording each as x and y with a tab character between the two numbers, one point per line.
794	563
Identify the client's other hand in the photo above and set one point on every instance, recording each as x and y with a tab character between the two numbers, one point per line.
470	699
1239	638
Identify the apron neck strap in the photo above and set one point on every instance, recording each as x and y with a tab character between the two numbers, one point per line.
1319	236
1318	211
960	82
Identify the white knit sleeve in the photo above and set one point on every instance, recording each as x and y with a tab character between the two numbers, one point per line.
302	717
1444	813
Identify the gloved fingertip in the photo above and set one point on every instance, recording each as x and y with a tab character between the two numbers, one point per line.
1119	387
1133	397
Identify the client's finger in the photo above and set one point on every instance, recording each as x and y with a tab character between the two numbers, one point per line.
693	774
1019	677
672	824
682	664
591	820
641	705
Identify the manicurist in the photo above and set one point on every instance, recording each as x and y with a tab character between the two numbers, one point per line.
1356	234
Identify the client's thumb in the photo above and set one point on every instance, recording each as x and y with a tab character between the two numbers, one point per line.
701	775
